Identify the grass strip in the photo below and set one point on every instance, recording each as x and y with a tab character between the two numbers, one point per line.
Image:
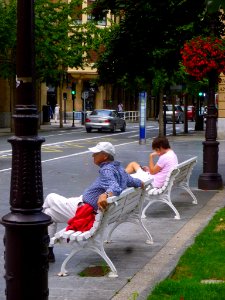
202	261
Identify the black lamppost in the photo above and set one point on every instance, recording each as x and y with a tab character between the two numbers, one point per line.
210	179
65	99
26	238
164	117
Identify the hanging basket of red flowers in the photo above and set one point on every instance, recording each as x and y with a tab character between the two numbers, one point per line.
203	55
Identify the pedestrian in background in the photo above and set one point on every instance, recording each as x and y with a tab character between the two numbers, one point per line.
57	112
120	107
50	112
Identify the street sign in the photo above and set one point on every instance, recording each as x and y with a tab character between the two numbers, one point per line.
142	121
85	95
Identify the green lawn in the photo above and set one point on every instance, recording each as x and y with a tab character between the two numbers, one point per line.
204	260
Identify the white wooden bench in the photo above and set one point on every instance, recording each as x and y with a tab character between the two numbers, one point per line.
177	178
124	208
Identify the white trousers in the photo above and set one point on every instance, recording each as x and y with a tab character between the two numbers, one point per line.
56	117
142	175
60	209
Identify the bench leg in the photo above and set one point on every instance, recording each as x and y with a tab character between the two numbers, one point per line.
186	187
168	202
149	241
143	215
108	239
136	220
101	251
63	271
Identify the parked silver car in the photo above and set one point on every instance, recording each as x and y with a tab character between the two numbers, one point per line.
104	119
179	114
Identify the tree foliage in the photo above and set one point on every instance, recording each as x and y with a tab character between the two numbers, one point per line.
61	40
215	5
149	37
7	37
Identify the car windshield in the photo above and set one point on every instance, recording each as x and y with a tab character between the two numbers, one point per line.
169	107
101	113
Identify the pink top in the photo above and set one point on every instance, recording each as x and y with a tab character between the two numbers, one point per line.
166	162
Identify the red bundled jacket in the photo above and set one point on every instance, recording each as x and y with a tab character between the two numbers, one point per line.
83	219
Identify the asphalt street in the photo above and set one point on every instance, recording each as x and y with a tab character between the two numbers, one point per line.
68	169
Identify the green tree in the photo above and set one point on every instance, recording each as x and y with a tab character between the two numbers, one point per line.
61	41
7	37
147	42
149	37
215	5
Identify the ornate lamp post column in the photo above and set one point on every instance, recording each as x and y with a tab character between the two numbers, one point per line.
204	57
26	238
210	179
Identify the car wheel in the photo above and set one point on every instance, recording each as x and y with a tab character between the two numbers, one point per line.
88	129
123	129
113	129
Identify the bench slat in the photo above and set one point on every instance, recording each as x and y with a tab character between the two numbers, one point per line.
74	235
59	234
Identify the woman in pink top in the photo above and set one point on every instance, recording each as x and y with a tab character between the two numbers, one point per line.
159	170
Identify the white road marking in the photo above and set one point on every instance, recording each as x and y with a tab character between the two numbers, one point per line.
71	155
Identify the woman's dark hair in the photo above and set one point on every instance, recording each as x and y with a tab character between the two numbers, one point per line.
160	142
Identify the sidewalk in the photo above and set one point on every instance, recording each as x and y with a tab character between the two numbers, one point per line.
50	126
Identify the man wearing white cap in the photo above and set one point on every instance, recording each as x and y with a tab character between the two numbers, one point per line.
112	180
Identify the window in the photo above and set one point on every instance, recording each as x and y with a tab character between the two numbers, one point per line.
77	15
91	18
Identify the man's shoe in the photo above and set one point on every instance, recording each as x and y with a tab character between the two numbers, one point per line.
51	256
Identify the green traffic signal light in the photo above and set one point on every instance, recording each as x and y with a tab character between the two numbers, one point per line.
73	89
200	94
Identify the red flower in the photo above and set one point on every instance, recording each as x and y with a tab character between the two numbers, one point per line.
201	55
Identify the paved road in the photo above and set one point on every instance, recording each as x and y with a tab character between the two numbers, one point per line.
66	142
68	169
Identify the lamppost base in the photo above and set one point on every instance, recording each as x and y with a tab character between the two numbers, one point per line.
26	251
210	181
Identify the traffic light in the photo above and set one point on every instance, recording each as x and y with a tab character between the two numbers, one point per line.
200	94
73	90
64	96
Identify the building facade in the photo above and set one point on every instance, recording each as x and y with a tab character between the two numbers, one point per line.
221	109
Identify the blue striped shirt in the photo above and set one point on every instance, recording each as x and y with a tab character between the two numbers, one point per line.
112	178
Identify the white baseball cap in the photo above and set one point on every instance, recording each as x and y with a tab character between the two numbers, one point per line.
105	147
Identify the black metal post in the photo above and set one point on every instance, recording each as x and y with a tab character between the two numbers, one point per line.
164	118
210	179
73	99
185	114
26	238
64	98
